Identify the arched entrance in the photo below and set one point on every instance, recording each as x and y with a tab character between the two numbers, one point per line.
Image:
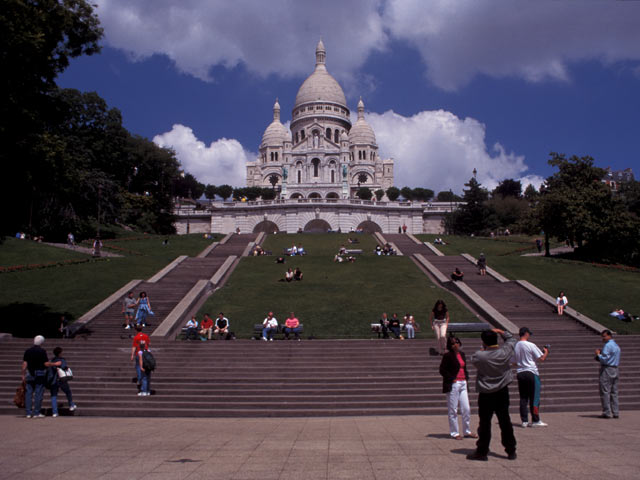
369	227
332	195
314	195
317	226
296	195
266	226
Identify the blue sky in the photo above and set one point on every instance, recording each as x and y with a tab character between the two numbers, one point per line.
448	86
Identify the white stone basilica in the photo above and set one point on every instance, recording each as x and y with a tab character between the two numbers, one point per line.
323	156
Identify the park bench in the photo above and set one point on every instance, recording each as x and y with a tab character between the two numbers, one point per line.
257	330
354	251
377	328
468	327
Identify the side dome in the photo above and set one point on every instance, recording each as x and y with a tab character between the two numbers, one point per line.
361	132
320	85
276	133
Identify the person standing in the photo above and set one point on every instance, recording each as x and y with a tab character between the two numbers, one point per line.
144	309
439	320
609	358
128	309
526	355
135	349
61	383
453	369
145	384
482	264
34	374
493	364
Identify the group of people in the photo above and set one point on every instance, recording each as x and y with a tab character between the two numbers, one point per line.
39	373
220	329
292	275
394	326
494	374
270	327
293	251
387	249
344	256
136	309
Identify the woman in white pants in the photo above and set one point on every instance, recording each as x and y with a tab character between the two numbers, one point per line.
439	319
453	369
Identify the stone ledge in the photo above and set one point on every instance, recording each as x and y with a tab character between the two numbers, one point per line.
496	318
226	238
413	238
577	316
490	271
431	247
207	250
171	320
103	305
224	268
161	274
441	277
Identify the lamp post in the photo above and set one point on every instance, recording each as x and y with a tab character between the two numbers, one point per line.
188	213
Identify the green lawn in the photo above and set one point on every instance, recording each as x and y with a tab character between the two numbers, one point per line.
77	288
25	252
592	290
337	300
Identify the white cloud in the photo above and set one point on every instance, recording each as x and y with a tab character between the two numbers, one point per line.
222	162
532	40
437	150
268	37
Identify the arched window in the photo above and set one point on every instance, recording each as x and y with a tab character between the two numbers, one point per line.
272	156
296	137
333	176
316	166
302	134
336	136
299	176
276	156
328	134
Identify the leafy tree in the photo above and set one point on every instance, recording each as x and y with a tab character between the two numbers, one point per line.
364	193
531	194
379	194
508	188
188	186
407	193
473	216
422	194
273	180
268	194
225	191
393	193
448	196
630	195
37	40
508	212
210	191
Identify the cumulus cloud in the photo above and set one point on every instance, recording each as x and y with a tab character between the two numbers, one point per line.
222	162
267	37
532	40
438	150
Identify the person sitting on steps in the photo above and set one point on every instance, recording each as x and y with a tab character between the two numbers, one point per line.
457	275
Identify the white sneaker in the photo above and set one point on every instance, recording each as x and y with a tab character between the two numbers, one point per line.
271	339
263	338
29	416
54	415
40	415
525	424
127	327
146	394
141	394
72	408
539	423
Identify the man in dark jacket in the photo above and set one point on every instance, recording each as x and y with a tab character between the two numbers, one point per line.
493	364
34	373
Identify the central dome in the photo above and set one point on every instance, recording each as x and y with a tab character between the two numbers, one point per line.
320	85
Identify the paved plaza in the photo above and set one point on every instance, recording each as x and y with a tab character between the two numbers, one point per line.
575	445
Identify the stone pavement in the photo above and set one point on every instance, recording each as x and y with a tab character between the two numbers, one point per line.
574	446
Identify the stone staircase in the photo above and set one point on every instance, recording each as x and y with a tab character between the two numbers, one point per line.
247	378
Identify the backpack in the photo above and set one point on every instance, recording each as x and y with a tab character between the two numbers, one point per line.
148	361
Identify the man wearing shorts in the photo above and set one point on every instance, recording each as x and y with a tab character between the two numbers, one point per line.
128	309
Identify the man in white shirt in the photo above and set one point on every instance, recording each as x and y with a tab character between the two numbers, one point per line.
269	327
526	355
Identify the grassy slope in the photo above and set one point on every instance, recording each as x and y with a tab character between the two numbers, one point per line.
25	252
594	291
336	300
77	288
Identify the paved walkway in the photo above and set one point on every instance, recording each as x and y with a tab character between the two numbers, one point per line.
574	446
81	249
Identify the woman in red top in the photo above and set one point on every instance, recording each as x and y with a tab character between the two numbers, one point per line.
453	369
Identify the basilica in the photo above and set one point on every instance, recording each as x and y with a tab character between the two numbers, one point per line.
323	155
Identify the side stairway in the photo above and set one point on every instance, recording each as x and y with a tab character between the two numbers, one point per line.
509	298
166	293
247	378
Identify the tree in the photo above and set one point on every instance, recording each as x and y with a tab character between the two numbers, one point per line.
508	188
422	194
448	196
473	216
364	193
210	191
268	194
531	194
379	194
407	193
37	40
188	186
225	191
393	193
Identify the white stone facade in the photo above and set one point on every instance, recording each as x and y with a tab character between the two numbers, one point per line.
323	156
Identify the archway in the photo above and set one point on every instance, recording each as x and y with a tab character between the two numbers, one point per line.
317	226
369	227
332	195
296	195
266	226
314	195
